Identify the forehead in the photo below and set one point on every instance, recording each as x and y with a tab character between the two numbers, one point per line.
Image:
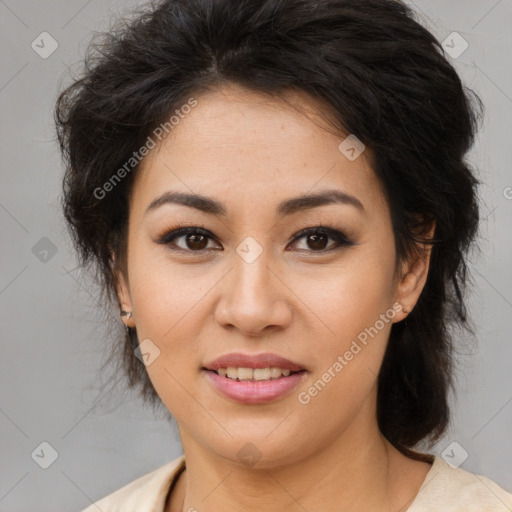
244	148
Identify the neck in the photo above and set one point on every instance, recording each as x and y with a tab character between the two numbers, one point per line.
359	471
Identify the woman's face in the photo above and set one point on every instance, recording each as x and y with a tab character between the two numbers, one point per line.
326	304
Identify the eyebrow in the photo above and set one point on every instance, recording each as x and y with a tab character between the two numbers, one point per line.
287	207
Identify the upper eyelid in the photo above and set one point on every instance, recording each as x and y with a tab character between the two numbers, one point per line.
330	231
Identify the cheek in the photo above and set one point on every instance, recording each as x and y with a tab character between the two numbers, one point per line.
358	317
170	311
166	294
353	304
351	294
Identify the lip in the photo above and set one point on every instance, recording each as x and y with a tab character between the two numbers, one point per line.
241	360
255	392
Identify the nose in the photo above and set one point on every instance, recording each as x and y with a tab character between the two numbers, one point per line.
254	298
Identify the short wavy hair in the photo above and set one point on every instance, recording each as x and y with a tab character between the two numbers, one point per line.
381	75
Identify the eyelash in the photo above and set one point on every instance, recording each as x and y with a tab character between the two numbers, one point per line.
340	238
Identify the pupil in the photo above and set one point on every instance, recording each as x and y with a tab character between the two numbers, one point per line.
194	239
316	244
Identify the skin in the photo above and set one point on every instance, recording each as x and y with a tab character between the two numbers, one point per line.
251	153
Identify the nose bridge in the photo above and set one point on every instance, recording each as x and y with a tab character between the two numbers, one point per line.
253	296
251	274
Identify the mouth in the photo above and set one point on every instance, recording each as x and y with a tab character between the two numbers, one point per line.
253	391
254	379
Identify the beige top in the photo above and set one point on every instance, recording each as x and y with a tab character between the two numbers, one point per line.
444	489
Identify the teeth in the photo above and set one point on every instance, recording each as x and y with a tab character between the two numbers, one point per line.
275	373
244	373
253	374
262	374
232	373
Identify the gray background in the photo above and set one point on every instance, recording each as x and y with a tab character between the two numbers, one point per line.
52	346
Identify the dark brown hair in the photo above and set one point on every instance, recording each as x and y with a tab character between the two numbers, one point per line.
384	78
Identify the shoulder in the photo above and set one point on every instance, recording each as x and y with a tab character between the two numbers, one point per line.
145	494
457	490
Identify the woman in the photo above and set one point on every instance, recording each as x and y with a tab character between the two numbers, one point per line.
275	194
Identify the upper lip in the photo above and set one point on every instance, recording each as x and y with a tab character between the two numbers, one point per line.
241	360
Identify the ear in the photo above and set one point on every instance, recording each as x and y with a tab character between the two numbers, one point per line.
122	292
414	276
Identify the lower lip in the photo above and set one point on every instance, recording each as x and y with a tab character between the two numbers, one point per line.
255	392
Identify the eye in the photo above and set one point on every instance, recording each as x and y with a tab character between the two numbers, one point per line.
317	237
194	239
